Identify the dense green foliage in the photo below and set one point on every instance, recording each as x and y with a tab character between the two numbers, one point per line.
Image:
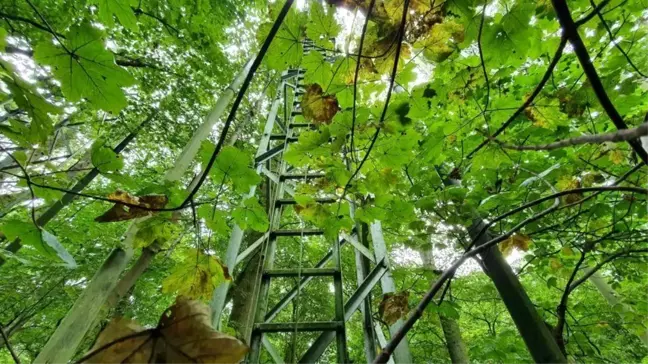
473	83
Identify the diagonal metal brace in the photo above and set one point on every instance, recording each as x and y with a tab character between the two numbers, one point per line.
326	338
361	248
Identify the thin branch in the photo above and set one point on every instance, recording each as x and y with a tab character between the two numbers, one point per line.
6	340
357	72
51	30
616	44
594	269
570	30
529	101
618	136
31	22
561	310
481	55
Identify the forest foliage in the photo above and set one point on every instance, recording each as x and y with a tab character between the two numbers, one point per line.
424	122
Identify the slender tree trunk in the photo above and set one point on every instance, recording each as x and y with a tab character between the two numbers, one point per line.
611	296
127	282
53	210
451	332
242	317
64	342
535	333
402	354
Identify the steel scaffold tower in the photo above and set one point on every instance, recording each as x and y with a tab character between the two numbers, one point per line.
279	132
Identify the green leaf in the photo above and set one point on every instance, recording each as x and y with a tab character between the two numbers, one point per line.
121	9
3	38
251	215
44	242
196	275
232	164
104	158
322	25
37	107
216	220
86	69
286	48
318	69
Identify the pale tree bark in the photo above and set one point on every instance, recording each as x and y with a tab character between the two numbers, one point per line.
451	332
66	338
611	296
402	354
242	291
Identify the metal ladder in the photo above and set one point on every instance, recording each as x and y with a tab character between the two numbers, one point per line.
281	180
269	162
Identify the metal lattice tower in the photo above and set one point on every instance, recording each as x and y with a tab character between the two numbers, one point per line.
371	267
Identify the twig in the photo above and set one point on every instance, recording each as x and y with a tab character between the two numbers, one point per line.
529	101
597	11
6	340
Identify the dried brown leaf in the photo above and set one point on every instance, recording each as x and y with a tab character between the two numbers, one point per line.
121	212
394	306
184	335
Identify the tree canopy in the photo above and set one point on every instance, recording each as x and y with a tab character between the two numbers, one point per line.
523	117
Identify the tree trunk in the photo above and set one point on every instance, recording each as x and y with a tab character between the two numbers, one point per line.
62	345
537	337
127	282
611	296
402	354
53	210
64	342
451	333
242	293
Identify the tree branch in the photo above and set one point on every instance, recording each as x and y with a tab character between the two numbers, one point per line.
570	30
6	340
618	136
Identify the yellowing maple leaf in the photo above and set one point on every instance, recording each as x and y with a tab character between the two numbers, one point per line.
519	241
197	275
318	107
438	44
569	183
616	156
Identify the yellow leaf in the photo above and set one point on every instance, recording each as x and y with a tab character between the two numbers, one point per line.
519	241
184	334
196	276
555	264
569	183
567	251
616	156
317	106
438	44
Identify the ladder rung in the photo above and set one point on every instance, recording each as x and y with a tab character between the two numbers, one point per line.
290	201
295	113
300	125
269	154
302	176
305	272
277	136
300	326
305	232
